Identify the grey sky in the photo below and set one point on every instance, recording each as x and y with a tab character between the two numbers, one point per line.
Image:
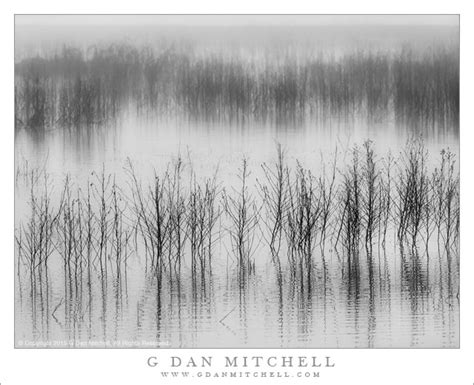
112	20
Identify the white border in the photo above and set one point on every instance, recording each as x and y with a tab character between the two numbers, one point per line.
129	366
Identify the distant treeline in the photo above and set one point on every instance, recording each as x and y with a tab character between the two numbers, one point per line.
94	87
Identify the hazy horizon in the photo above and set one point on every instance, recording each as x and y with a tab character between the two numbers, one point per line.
237	20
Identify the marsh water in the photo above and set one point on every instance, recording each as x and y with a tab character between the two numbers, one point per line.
390	311
405	297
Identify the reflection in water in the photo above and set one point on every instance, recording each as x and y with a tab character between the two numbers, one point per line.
262	313
336	260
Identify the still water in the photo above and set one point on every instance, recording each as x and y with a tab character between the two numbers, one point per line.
410	298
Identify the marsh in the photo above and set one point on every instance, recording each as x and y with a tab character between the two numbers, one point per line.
237	186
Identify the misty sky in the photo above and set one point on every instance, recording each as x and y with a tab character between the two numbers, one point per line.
211	20
41	34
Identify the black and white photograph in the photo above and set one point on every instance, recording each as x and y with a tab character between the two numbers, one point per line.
237	181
